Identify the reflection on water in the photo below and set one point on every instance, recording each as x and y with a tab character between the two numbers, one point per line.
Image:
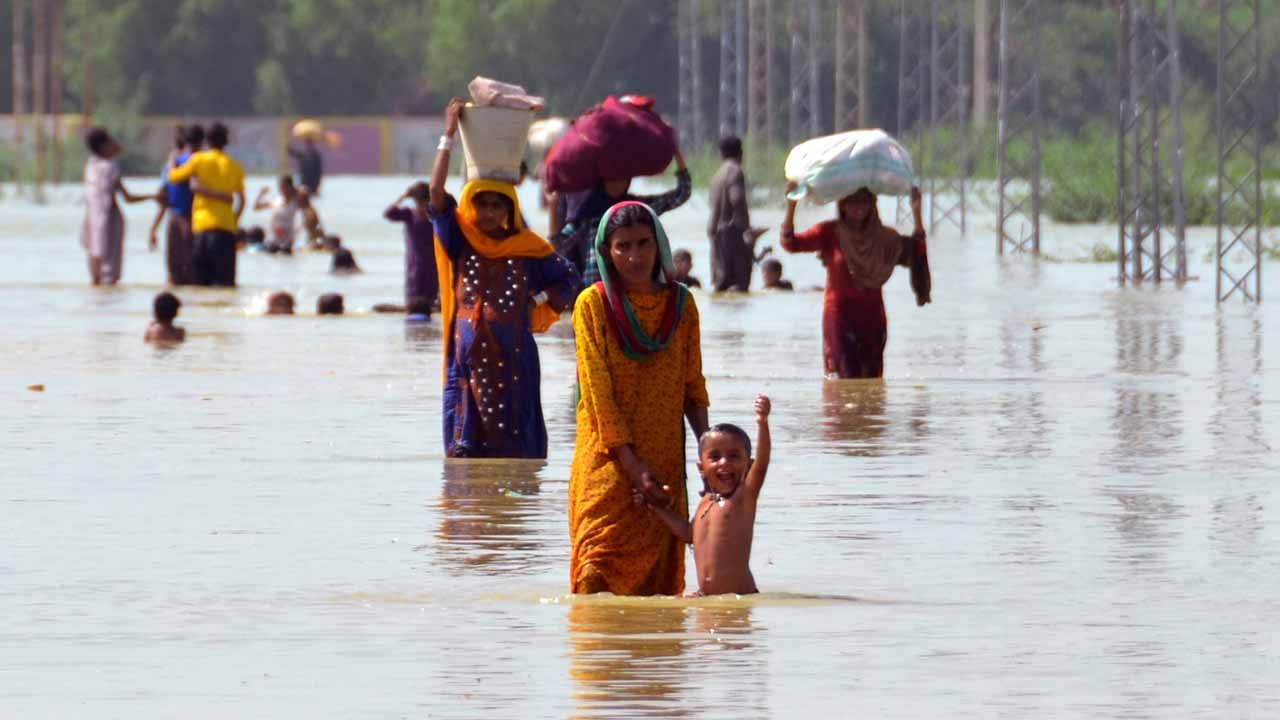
1023	426
1147	425
1142	524
667	659
854	416
484	506
1236	424
629	660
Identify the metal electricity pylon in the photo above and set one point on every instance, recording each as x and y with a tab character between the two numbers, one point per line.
853	49
1019	129
762	103
949	113
1239	98
732	66
913	89
805	33
1152	241
684	71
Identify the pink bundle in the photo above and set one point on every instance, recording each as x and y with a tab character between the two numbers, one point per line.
491	93
617	139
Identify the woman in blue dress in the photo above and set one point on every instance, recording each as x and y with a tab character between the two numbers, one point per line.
499	283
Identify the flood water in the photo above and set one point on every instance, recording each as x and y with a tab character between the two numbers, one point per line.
1061	502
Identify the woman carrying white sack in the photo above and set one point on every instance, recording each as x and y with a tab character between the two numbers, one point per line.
857	249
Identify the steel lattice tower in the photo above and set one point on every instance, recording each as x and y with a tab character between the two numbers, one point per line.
1019	130
913	89
805	29
732	95
852	63
761	100
689	38
685	72
949	110
1239	139
1150	182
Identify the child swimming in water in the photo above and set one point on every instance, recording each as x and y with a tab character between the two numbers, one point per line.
723	525
771	272
280	303
161	330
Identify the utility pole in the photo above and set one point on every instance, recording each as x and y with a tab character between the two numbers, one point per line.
1018	211
760	101
20	78
730	99
55	85
1150	181
949	110
852	60
981	62
1239	135
39	95
86	66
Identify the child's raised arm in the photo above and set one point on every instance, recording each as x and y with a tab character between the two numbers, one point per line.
764	444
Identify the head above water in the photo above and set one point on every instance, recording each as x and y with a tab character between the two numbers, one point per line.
859	209
631	237
330	304
165	307
100	143
731	148
280	303
343	262
495	214
724	457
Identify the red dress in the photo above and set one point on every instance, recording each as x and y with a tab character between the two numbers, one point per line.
854	326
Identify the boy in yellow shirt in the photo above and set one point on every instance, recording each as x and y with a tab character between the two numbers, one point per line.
215	215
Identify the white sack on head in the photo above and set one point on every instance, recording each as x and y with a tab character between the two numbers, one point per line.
831	167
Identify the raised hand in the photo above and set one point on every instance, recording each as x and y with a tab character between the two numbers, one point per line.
763	407
452	114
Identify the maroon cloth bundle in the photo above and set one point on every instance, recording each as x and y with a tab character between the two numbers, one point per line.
617	139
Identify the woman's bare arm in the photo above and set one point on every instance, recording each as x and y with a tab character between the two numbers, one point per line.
440	170
697	416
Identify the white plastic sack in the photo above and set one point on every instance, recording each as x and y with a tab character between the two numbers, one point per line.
829	168
544	133
487	92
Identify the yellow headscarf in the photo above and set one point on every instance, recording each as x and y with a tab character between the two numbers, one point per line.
525	243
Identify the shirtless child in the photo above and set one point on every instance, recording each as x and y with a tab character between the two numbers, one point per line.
724	523
161	330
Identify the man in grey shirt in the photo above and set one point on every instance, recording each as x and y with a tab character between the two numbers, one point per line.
733	240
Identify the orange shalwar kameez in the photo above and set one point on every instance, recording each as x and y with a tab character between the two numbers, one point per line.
640	403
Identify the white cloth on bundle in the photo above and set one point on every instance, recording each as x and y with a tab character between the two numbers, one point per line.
492	93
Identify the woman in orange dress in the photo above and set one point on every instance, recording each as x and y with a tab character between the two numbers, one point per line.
640	372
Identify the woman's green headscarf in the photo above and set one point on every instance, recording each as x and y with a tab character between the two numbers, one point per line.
636	343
